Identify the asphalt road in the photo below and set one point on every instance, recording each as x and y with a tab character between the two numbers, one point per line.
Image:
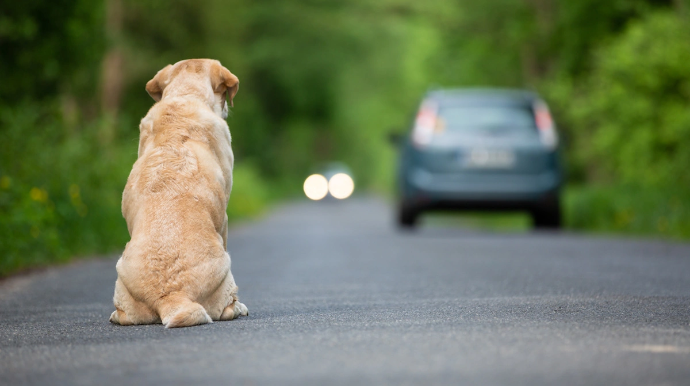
337	296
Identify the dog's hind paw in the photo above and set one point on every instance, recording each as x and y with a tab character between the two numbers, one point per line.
113	318
234	310
241	308
119	317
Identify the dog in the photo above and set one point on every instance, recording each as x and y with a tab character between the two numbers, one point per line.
175	269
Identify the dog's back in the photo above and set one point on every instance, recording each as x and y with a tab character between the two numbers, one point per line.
174	203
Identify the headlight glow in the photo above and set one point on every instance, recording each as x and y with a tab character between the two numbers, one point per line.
341	186
316	187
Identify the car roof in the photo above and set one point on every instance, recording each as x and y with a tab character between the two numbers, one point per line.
482	96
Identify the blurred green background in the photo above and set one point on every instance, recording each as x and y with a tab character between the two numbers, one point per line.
327	80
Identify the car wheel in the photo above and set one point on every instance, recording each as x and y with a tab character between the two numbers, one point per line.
548	216
408	216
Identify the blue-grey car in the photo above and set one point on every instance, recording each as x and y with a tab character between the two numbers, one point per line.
481	149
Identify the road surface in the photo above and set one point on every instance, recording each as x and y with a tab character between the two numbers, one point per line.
336	296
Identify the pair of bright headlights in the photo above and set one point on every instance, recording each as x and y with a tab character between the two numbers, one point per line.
317	186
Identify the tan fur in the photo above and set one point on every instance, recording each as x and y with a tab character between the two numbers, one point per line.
175	269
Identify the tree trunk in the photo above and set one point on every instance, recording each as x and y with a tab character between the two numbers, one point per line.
681	7
111	70
534	66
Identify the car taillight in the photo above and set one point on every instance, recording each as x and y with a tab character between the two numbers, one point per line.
544	122
425	124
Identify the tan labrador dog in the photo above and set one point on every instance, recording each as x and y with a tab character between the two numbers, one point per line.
175	269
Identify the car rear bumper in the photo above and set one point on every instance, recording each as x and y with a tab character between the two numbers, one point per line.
480	190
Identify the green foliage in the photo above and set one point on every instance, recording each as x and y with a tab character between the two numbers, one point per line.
591	208
583	25
630	210
250	194
633	109
49	47
59	194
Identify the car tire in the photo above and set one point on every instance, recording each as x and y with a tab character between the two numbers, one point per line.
408	216
548	215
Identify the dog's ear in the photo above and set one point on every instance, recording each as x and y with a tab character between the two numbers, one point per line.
223	80
156	85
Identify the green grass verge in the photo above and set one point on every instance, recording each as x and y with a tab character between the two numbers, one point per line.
661	213
251	194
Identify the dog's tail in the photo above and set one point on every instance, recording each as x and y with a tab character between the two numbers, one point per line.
179	311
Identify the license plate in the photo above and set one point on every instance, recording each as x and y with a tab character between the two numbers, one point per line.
488	158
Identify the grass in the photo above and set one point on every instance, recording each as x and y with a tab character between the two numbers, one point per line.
658	213
663	213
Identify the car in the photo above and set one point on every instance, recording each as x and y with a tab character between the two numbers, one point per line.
480	150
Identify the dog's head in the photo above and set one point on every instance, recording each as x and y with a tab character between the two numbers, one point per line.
206	78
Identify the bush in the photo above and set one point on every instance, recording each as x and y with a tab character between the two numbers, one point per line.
250	194
629	210
630	118
60	189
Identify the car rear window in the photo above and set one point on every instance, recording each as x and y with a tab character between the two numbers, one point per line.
473	118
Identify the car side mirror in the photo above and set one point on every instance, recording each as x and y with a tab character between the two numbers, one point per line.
395	138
